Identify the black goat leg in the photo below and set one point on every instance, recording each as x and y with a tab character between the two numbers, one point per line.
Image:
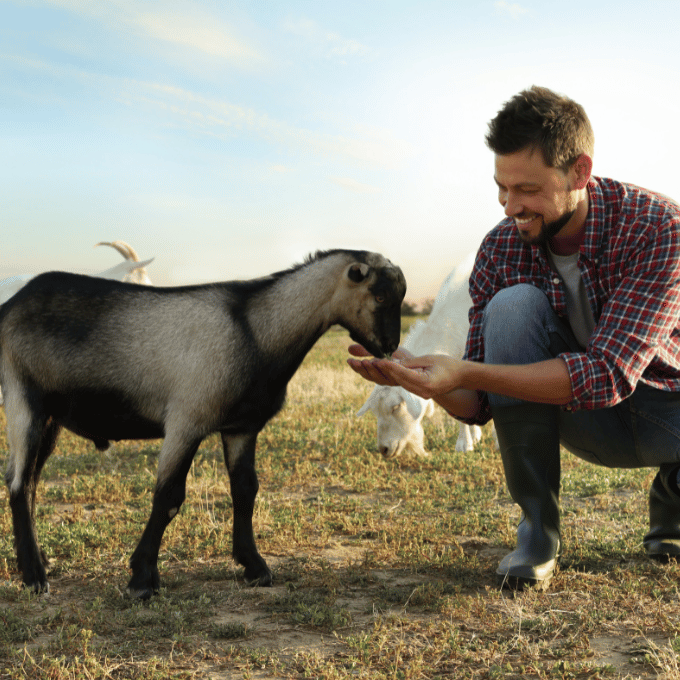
167	499
239	455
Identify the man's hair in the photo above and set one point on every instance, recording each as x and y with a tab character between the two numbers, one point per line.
539	118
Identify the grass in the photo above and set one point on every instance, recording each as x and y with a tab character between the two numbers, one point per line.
382	569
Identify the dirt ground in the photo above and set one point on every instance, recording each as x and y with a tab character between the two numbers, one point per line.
268	633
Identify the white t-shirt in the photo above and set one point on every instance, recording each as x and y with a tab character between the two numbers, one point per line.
578	308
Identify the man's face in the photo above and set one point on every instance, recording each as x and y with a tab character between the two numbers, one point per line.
540	199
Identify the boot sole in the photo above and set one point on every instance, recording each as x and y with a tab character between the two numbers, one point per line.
662	550
519	583
663	558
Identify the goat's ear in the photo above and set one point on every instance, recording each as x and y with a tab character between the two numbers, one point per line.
358	272
364	409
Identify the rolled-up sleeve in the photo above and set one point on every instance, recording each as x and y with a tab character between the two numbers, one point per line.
636	330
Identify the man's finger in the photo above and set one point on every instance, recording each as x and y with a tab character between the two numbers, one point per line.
358	351
369	370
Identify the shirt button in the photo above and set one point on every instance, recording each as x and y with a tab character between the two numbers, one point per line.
556	281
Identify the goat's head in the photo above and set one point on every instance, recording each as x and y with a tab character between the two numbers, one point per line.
368	302
133	274
399	414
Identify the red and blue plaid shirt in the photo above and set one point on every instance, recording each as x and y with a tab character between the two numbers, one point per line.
630	264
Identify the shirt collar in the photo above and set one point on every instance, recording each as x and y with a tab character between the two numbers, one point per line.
595	234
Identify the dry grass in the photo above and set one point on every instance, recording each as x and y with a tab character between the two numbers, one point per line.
383	569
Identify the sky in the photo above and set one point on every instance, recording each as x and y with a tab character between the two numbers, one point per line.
228	140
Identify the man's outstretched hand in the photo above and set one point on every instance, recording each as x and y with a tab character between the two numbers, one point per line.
427	376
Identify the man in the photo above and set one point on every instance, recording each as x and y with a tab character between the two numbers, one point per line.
575	330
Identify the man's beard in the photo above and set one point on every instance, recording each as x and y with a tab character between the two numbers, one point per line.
548	230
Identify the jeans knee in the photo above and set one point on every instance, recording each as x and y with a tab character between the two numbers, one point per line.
516	325
518	302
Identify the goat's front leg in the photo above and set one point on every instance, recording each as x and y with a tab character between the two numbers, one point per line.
173	467
239	455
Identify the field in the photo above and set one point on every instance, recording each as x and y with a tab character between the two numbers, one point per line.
382	569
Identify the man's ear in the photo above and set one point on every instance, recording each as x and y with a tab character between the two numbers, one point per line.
582	168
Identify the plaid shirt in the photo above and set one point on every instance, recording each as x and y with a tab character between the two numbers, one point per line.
630	264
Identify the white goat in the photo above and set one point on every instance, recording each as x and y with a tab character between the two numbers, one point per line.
399	412
133	275
132	271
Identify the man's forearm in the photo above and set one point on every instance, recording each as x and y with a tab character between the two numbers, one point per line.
545	382
460	403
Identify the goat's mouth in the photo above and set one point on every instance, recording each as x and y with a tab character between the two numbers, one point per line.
372	346
379	349
389	452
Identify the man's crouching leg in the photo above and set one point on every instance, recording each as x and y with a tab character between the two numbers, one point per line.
662	542
520	327
529	443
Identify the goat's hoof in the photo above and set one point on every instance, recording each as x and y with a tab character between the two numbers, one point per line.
144	584
34	576
38	587
263	581
139	593
261	578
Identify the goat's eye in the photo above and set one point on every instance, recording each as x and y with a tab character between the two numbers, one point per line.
380	299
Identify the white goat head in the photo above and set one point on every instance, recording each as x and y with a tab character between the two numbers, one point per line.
133	274
400	416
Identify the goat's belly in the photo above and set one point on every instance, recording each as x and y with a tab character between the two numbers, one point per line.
100	416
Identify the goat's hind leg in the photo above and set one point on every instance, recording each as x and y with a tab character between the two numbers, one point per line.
239	455
31	441
173	467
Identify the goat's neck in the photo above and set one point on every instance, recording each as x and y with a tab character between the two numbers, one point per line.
290	316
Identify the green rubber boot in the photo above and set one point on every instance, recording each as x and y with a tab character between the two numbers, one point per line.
528	435
662	542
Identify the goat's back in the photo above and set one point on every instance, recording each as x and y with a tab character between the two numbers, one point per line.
71	331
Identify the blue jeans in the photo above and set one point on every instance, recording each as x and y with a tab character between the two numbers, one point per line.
520	327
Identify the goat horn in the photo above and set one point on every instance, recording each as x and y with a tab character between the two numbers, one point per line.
127	251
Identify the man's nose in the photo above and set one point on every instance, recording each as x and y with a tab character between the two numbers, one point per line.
511	205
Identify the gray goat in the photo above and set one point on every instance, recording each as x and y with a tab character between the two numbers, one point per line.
109	361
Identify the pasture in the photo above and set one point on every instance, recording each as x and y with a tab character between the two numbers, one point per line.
382	569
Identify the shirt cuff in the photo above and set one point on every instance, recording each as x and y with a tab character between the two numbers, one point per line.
578	368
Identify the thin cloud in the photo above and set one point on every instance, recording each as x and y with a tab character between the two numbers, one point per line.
179	22
222	119
332	45
352	185
198	32
178	108
280	169
514	9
